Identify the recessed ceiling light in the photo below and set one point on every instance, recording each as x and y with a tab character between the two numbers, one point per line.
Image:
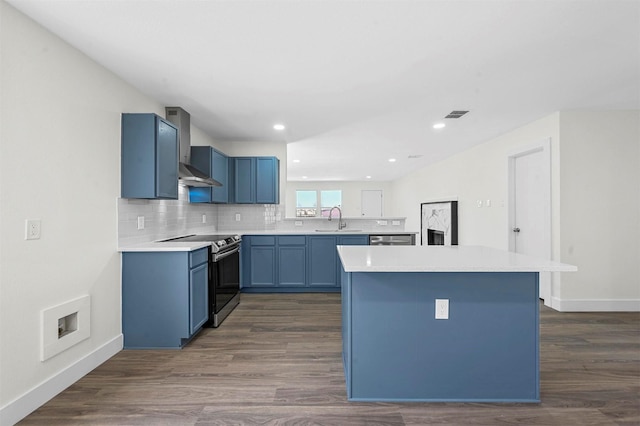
304	177
368	177
392	160
278	126
439	126
296	161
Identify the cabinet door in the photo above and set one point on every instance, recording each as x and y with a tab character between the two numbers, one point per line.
262	270
267	182
244	180
353	240
198	297
349	240
220	164
149	157
322	261
292	266
216	165
166	161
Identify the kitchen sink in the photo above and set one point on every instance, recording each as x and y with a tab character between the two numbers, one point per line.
341	230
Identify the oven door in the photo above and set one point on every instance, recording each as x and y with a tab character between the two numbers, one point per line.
224	282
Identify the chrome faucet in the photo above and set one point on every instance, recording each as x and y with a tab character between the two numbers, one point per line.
341	224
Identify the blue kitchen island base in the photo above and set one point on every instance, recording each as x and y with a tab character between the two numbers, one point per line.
395	350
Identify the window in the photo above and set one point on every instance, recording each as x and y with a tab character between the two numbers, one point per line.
307	202
329	199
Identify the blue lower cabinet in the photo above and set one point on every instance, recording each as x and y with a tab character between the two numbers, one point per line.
198	306
258	261
322	261
263	271
292	255
293	263
164	298
353	240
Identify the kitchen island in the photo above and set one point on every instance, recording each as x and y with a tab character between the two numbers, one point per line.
394	348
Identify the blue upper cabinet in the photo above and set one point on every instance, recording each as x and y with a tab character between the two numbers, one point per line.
215	164
267	180
149	157
256	180
244	180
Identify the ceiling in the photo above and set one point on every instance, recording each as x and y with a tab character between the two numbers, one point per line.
359	82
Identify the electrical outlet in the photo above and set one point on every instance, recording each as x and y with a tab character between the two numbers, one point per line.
140	222
237	217
32	229
204	218
442	308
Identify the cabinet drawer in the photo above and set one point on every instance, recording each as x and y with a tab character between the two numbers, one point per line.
292	240
263	240
198	257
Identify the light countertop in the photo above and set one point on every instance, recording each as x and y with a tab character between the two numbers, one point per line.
345	231
442	259
190	246
164	246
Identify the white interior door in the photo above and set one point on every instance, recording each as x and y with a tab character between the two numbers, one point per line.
530	202
371	203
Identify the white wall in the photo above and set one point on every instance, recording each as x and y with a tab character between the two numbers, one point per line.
479	173
600	208
351	195
595	178
60	163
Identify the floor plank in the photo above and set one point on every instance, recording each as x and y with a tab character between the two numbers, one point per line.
276	360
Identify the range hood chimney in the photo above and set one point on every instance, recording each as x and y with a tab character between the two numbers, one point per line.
187	174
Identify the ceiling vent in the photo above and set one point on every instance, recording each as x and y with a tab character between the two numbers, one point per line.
414	156
456	114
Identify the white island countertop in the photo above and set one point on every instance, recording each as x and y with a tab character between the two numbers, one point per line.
442	259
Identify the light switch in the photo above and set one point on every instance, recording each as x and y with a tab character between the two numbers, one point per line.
479	202
140	222
488	203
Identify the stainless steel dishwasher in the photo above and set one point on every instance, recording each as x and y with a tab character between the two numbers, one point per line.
392	240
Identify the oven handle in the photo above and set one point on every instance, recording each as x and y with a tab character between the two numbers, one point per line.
220	256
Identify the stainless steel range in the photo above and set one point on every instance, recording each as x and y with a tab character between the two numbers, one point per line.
224	274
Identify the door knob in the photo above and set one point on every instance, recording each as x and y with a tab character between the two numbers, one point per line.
516	229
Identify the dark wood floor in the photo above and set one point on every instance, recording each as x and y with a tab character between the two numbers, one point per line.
277	361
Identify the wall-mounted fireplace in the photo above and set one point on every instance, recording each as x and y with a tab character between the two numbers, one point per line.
435	237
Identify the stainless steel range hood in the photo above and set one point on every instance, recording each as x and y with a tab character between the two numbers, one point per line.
187	174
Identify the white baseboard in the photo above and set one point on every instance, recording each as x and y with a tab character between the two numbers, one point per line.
22	406
595	305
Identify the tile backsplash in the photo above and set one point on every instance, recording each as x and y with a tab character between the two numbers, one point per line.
164	218
172	218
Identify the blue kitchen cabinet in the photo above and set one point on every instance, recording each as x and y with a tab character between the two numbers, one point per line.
293	263
215	164
255	180
292	254
353	240
149	157
164	297
259	261
267	180
322	261
243	175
